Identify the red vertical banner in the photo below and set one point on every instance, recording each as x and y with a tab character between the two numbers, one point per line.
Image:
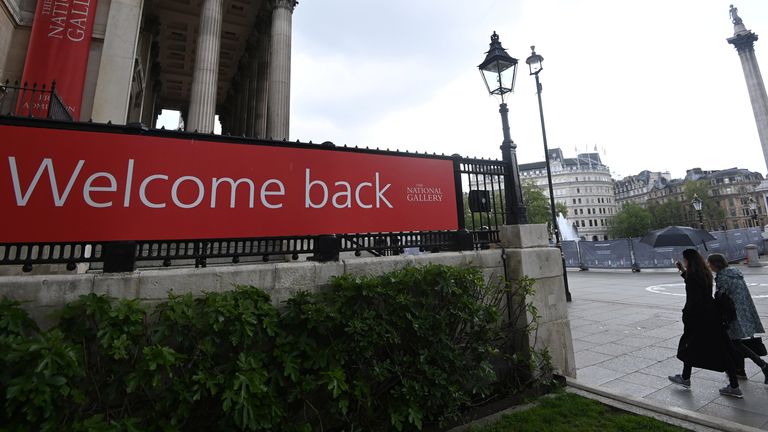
58	51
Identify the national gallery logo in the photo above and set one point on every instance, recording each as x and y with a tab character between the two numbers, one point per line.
423	193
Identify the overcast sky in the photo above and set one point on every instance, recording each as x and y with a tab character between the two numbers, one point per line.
652	84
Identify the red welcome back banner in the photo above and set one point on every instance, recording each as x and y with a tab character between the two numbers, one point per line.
58	51
63	185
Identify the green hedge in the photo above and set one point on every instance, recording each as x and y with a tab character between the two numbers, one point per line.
396	352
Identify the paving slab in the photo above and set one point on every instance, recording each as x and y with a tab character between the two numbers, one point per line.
626	332
596	375
745	417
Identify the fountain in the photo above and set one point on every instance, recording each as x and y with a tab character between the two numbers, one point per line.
567	232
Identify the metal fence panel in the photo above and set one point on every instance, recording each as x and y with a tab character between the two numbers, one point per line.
606	254
737	240
650	257
571	253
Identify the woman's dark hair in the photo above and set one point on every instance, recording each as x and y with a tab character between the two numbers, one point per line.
697	268
717	261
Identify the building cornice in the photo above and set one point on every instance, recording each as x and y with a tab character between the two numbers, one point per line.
16	15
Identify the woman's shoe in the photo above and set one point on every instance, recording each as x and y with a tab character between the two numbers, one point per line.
733	392
679	380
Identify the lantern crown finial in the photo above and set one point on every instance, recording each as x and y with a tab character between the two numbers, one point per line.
498	69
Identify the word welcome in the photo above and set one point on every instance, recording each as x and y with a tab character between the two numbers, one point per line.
271	192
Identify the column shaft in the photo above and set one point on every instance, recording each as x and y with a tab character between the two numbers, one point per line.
262	88
279	100
118	54
202	103
253	75
757	96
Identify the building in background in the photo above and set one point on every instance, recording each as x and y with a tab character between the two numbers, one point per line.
583	184
730	189
130	59
636	189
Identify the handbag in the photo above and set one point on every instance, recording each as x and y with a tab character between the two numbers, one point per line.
755	345
725	307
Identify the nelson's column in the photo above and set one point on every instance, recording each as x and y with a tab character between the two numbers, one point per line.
744	42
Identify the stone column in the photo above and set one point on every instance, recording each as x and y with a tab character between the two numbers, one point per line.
244	96
239	104
202	103
262	87
113	85
279	99
743	40
253	76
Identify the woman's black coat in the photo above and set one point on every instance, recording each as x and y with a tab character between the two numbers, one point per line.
704	343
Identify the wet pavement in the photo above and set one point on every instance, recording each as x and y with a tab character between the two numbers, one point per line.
626	327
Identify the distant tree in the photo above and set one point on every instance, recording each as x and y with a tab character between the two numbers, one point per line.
536	203
631	221
681	212
711	211
561	209
481	219
666	214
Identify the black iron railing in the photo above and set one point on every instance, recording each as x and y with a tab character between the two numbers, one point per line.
482	183
32	101
480	212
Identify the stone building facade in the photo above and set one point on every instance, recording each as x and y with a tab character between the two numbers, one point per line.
731	189
635	189
583	184
204	58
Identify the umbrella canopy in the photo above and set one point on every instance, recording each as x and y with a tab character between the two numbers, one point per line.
677	236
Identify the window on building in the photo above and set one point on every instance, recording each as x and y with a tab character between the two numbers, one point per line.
583	224
577	190
590	222
579	200
574	200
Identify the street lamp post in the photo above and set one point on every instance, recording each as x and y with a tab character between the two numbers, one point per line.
498	71
753	209
697	203
535	65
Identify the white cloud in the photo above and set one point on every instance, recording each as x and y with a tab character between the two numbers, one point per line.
652	82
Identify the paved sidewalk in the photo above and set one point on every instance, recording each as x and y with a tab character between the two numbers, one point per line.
626	327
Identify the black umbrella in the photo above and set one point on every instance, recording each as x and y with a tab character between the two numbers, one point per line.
677	236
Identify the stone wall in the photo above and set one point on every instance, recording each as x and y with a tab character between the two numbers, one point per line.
527	253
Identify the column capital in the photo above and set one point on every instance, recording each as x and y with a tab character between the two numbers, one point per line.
743	41
286	4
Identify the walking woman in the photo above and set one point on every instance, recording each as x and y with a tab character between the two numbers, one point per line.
704	343
729	281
